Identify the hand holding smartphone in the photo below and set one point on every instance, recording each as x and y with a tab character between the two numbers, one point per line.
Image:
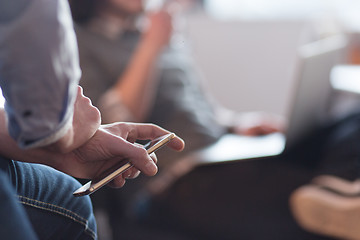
119	168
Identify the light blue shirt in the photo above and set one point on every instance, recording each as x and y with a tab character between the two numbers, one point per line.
39	69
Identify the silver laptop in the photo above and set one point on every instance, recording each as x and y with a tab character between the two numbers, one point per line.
306	112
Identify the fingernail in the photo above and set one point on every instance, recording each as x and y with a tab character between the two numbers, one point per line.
151	167
135	175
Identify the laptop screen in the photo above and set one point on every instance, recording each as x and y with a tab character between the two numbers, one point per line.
312	90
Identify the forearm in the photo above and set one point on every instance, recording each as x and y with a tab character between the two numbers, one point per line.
136	87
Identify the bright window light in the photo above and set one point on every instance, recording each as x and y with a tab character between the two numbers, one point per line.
290	9
2	100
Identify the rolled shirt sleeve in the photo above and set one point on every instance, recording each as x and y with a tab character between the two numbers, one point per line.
39	69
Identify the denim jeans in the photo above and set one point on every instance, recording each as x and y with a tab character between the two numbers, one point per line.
36	202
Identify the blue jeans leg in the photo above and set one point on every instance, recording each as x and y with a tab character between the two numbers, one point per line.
14	222
47	197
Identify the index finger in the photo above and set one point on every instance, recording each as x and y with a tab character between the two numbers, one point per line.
152	131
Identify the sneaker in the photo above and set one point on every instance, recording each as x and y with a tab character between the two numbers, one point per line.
330	213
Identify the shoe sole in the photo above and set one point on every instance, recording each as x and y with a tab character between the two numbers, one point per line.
323	212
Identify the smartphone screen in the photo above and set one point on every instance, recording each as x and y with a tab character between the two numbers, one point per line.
120	167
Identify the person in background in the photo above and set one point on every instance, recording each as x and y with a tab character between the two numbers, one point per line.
50	132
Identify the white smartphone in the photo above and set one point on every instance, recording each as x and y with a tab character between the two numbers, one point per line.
119	168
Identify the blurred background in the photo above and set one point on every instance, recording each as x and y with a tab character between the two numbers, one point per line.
243	71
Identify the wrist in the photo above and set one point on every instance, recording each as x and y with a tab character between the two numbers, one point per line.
62	145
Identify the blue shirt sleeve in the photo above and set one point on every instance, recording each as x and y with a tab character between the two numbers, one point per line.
39	69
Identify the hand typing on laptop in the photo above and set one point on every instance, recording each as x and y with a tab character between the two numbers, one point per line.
251	123
257	123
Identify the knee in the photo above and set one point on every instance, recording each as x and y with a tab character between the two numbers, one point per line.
77	210
43	187
80	208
